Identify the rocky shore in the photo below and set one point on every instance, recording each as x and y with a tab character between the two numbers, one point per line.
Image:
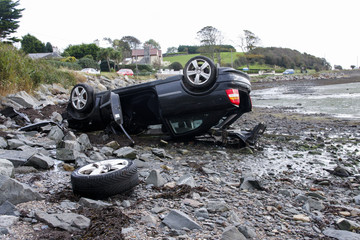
300	182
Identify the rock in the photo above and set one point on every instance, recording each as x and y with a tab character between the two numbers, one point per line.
24	99
96	156
82	160
40	161
126	152
7	221
84	142
7	208
107	151
159	152
347	225
56	117
357	200
68	150
89	203
15	192
341	234
113	144
250	183
187	180
56	134
70	136
3	143
155	179
202	213
313	204
149	220
176	219
68	221
301	217
6	168
247	231
15	143
217	206
232	233
68	167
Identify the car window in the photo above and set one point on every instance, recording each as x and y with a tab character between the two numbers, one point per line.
187	123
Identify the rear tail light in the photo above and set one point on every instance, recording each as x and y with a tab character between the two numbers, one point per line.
233	95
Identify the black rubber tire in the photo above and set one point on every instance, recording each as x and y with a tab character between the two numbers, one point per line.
86	94
104	185
199	73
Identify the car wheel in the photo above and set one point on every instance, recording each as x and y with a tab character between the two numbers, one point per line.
82	97
106	178
199	73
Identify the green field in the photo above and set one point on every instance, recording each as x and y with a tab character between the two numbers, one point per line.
226	59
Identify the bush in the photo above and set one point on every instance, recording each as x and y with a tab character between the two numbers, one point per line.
88	63
69	59
69	65
19	72
176	66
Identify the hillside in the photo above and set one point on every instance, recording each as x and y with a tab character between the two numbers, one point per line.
264	58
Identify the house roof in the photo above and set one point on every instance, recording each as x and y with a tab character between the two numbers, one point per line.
140	52
44	55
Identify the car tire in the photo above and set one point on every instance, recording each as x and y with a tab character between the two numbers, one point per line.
106	178
199	73
82	97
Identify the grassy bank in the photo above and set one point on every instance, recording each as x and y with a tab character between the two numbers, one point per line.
19	72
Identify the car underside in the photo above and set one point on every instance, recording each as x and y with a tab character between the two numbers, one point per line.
203	102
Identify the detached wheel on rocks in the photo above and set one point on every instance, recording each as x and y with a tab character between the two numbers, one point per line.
106	178
199	73
82	97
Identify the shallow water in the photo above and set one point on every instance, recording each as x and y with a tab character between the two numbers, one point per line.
340	100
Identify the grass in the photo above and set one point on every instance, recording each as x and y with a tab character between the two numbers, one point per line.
226	59
18	72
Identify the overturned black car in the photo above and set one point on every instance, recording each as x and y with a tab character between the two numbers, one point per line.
202	103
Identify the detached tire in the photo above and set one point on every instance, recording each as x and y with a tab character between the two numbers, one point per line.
199	73
82	98
103	179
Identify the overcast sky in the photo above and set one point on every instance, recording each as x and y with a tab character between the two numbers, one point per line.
322	28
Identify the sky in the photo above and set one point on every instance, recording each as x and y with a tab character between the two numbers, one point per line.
324	28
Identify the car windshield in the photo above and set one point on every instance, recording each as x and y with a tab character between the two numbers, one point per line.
187	123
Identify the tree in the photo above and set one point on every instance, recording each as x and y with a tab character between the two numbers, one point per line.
132	41
9	16
152	43
49	47
31	44
248	42
80	51
105	54
209	38
171	50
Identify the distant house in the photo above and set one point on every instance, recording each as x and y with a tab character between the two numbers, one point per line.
44	55
147	56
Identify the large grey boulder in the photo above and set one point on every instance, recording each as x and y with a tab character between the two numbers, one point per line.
17	158
40	161
56	134
24	99
6	168
179	220
71	222
15	192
